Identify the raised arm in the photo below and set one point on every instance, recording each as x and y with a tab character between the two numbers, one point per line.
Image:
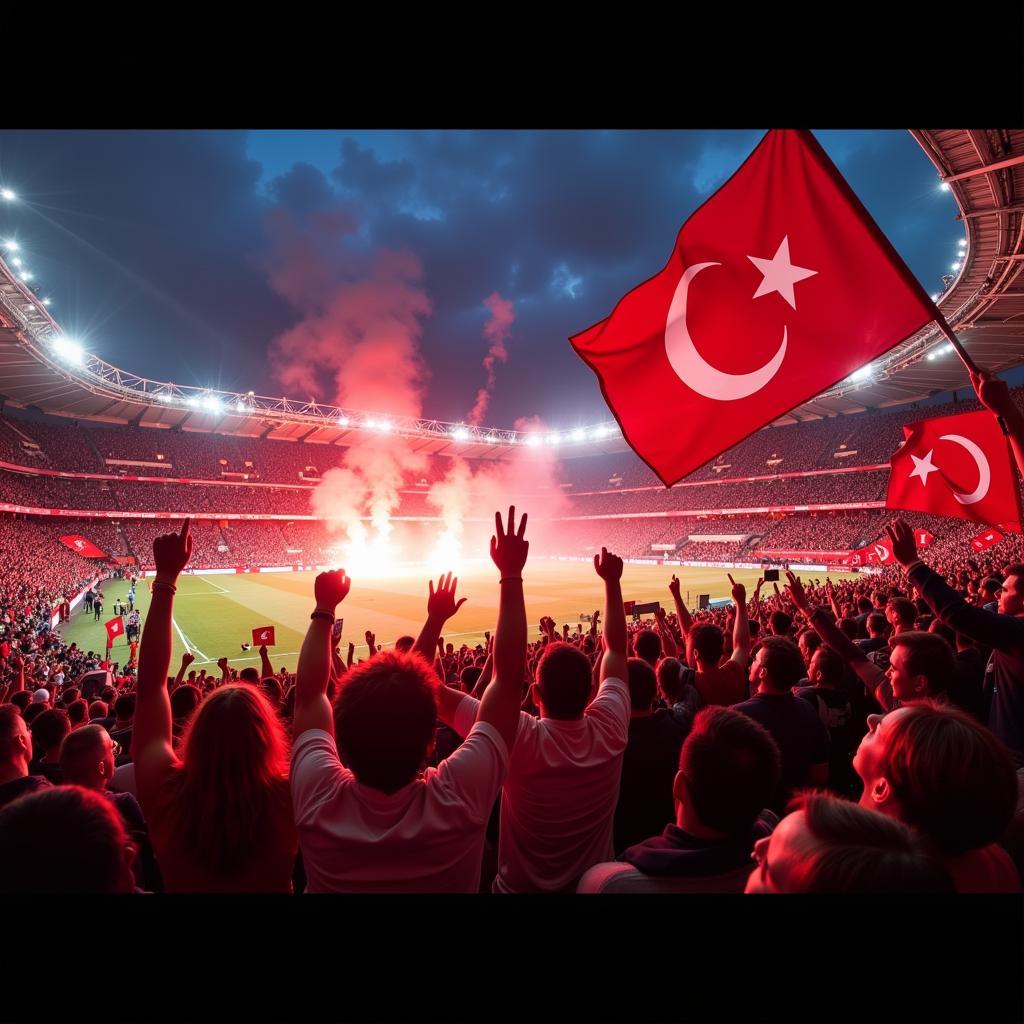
486	672
754	611
266	668
502	699
312	707
682	613
613	665
741	627
186	659
152	751
1003	632
994	394
441	606
668	641
873	678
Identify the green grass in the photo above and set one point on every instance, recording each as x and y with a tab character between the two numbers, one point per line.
214	615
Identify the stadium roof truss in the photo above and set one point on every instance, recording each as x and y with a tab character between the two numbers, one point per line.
984	302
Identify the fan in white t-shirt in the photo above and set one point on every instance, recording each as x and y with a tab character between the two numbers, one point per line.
558	801
382	822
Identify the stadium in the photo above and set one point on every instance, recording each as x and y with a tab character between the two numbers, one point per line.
97	459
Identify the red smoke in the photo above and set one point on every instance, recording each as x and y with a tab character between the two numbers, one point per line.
496	331
357	342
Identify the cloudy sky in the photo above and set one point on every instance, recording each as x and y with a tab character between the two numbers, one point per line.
228	259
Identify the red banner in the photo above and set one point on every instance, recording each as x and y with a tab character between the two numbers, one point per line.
986	540
115	628
82	547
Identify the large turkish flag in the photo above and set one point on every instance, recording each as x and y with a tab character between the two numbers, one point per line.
779	286
83	547
956	466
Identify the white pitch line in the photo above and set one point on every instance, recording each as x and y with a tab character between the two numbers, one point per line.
285	654
184	639
220	589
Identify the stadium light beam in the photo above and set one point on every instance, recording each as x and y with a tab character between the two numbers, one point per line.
342	421
6	193
579	434
69	350
11	245
533	440
460	434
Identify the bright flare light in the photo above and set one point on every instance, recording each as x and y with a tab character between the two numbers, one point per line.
944	187
47	302
11	245
935	296
864	371
7	194
26	276
460	434
164	396
533	440
490	439
385	427
553	439
16	262
241	406
955	266
68	350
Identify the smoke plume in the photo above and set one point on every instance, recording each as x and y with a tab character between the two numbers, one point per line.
496	331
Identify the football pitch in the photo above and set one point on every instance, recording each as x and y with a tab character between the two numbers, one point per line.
215	615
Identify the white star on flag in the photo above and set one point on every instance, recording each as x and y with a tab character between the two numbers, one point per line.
779	273
922	467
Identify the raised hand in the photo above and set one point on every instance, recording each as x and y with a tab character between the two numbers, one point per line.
608	566
757	589
993	393
796	591
441	603
739	592
330	589
371	641
171	553
222	664
673	587
187	658
904	548
509	549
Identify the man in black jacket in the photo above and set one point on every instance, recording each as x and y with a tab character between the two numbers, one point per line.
1003	631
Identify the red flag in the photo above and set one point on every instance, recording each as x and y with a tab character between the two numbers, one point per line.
115	628
986	540
956	466
881	552
82	547
923	538
263	636
779	286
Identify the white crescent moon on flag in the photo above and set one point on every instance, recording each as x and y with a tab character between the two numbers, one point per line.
690	366
984	472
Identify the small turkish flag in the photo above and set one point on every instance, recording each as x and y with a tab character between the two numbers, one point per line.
986	540
956	466
115	628
263	636
923	538
779	286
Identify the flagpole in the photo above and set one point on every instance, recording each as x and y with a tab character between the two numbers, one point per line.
964	358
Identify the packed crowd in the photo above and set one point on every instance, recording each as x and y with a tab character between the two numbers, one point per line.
814	738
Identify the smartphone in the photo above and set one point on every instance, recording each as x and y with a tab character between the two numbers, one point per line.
336	631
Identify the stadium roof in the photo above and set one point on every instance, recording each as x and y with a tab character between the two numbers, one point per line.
984	170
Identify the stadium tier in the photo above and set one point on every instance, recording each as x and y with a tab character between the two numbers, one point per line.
249	490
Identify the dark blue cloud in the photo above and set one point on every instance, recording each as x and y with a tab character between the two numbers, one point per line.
155	244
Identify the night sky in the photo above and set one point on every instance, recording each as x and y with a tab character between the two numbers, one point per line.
184	255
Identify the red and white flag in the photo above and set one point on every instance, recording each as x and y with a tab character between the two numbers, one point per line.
986	540
263	636
923	538
880	553
115	628
956	466
779	286
82	547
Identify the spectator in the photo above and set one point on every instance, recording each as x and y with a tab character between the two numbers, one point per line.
558	800
15	757
384	721
1003	632
64	840
794	724
220	815
729	770
48	732
828	845
649	764
941	772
